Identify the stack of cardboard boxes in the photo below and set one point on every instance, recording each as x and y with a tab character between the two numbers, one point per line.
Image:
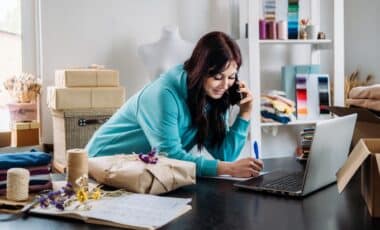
80	102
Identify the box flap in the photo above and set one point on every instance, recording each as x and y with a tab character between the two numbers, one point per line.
363	114
354	161
378	162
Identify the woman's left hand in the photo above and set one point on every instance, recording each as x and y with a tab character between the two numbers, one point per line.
246	103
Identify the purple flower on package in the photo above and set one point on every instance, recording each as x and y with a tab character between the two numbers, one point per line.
150	157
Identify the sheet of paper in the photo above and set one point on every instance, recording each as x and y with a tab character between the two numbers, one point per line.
138	209
135	210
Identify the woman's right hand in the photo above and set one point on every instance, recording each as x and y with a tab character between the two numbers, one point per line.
246	167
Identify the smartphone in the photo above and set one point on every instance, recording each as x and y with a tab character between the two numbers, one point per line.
235	95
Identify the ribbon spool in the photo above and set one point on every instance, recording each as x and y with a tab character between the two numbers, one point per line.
77	165
17	184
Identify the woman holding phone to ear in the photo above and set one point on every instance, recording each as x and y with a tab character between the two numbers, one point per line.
187	106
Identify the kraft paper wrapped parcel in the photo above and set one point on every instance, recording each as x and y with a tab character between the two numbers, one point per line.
127	171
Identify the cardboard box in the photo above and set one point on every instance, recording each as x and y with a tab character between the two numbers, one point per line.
365	155
85	98
87	78
367	124
25	134
5	138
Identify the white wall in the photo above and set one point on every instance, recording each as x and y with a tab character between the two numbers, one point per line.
83	32
80	33
362	34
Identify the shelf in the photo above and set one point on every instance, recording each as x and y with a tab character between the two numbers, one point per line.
296	42
299	122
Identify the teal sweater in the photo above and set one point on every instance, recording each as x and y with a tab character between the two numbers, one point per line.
158	116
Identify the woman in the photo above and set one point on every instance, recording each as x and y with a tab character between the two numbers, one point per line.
187	106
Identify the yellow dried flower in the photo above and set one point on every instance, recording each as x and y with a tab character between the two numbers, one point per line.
82	195
96	194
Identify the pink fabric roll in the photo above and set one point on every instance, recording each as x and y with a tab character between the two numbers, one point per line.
282	30
271	30
262	29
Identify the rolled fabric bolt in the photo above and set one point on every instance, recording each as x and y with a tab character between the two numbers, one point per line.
77	165
262	29
17	184
282	30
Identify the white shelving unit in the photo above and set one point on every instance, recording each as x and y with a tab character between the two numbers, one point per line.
276	139
294	42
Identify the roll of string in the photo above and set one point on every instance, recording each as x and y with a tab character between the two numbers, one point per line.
77	165
17	184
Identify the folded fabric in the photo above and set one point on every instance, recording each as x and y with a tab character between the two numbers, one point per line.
127	171
280	104
23	159
282	99
365	103
33	188
281	119
34	170
365	92
33	180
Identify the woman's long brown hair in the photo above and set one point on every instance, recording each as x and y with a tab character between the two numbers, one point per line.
212	55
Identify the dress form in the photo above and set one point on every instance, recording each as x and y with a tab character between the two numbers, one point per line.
168	51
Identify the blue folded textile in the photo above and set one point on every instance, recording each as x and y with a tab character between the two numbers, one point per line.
281	119
24	159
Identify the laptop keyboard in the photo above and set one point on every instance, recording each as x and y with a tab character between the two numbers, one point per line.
291	182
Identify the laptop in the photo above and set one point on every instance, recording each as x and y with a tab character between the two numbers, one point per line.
328	152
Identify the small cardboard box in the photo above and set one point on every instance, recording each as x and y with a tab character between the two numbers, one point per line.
85	98
365	155
22	111
367	124
25	134
87	78
5	138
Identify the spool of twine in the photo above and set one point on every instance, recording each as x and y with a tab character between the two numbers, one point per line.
17	184
77	165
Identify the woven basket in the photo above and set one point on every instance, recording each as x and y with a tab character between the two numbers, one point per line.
74	128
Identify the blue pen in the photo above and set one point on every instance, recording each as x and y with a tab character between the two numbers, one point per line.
256	149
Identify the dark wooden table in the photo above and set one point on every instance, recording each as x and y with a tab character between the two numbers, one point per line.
216	204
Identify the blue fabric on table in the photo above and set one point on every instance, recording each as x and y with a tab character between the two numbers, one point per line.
24	159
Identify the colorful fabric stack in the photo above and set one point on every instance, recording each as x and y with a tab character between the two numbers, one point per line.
38	164
366	97
275	107
306	138
312	96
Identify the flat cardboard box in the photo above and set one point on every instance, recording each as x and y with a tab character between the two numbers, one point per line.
365	155
5	138
367	124
87	78
85	98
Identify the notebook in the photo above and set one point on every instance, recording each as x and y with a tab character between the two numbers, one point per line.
328	152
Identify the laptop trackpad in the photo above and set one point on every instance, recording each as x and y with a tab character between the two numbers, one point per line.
264	179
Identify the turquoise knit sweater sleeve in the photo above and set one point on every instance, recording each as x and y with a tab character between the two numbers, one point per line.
233	143
158	117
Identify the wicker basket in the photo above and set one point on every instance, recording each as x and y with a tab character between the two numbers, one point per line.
73	129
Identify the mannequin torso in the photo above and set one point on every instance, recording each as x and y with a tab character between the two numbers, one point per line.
169	51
